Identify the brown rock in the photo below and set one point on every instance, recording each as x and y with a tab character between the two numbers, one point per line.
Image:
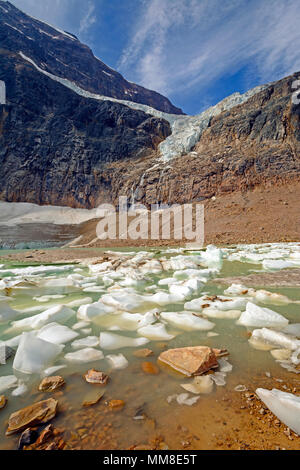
3	401
150	368
116	404
143	353
92	398
190	361
36	414
49	384
95	377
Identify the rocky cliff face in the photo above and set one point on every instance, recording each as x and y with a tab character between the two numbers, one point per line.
55	144
257	142
62	54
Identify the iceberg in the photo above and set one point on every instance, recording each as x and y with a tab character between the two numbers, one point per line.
91	311
285	406
56	333
7	313
34	354
88	342
256	316
84	355
274	339
8	381
111	341
59	313
117	361
187	321
155	332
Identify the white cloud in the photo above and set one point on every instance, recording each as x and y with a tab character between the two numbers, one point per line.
89	18
76	16
178	45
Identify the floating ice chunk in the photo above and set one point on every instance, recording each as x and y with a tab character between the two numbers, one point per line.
168	281
180	262
187	321
7	313
79	302
21	390
80	325
155	332
88	342
295	357
281	354
285	406
217	302
163	298
56	333
201	384
271	298
277	264
86	331
84	355
212	257
274	338
59	313
133	321
13	342
113	341
239	289
34	354
202	274
219	378
124	301
224	365
92	311
194	284
211	312
36	270
52	370
256	316
117	361
93	289
293	329
101	267
153	267
184	292
47	298
184	399
210	334
8	381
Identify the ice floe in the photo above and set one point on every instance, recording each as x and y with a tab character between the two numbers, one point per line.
34	354
56	333
156	332
84	355
117	361
111	341
187	321
285	406
255	316
59	313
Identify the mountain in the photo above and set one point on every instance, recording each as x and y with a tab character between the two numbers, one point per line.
63	55
65	139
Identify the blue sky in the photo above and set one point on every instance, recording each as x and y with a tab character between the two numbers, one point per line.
196	52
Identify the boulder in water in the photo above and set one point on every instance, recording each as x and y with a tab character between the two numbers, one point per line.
190	361
33	415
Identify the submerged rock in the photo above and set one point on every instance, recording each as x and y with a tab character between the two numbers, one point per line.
285	406
92	398
143	353
36	414
150	368
95	377
116	404
190	361
49	384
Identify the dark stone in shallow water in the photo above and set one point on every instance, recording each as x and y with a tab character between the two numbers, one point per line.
29	436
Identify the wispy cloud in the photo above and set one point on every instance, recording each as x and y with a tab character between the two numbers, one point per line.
76	16
178	45
89	18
